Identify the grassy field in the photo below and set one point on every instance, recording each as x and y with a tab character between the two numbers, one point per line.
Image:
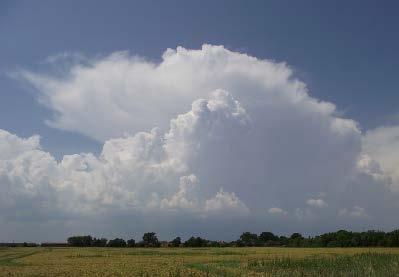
199	262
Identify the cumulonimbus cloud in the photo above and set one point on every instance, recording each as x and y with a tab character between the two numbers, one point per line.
382	144
137	172
253	139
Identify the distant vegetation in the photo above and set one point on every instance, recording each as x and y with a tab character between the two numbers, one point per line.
340	238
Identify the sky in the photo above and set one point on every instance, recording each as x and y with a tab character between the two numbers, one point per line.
197	117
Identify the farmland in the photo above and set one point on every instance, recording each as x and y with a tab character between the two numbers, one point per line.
233	261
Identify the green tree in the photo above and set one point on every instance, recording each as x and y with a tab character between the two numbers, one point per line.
267	236
296	240
249	239
117	243
81	241
176	242
150	240
99	242
196	242
131	243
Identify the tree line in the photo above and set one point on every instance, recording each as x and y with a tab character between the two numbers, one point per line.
341	238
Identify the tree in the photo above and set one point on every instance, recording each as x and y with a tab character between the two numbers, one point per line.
283	240
99	242
343	238
249	239
150	240
196	242
393	238
267	236
117	243
176	242
296	236
82	241
296	240
340	238
131	243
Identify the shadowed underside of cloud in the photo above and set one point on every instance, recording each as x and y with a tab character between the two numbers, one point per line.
255	146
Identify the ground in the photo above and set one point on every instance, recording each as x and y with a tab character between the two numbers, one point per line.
40	261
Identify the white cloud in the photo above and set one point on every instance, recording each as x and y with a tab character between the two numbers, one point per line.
144	171
11	145
318	203
105	98
356	211
276	211
382	144
181	199
226	203
252	129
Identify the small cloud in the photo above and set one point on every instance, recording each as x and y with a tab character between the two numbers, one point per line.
318	203
276	211
72	57
224	202
355	212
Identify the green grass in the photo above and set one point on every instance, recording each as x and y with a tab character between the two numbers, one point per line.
220	268
184	252
364	264
12	258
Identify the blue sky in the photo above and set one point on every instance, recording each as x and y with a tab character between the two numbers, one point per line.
274	155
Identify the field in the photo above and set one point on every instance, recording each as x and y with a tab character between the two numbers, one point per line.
39	261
